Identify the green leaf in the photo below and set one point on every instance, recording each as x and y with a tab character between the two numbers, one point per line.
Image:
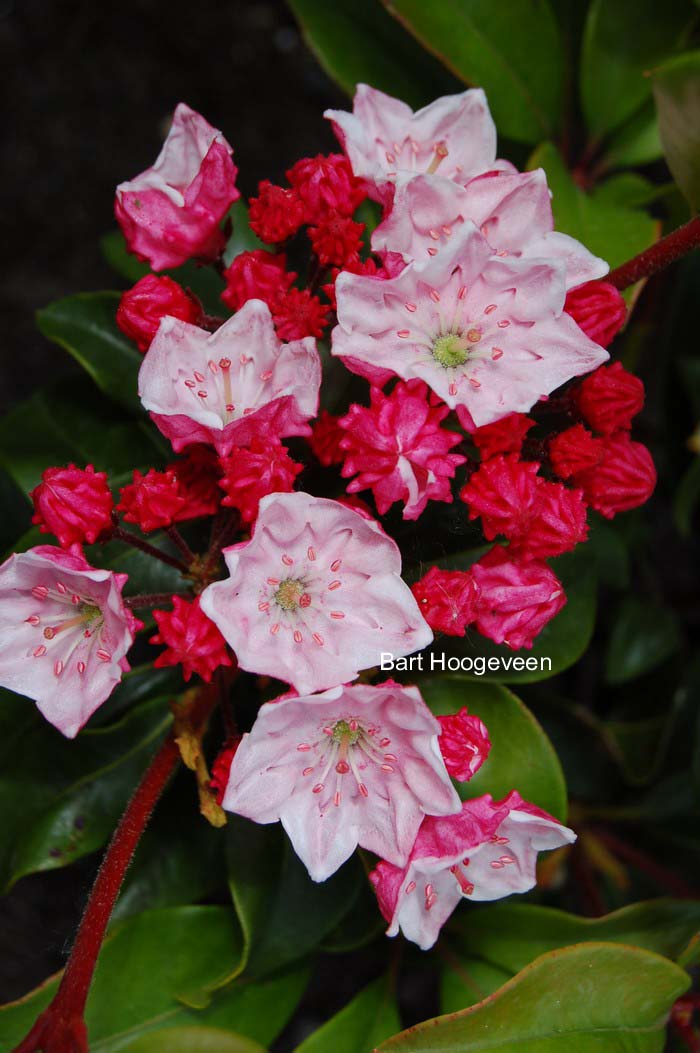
364	1022
146	573
558	646
193	1040
676	87
611	230
85	326
591	998
637	142
283	914
61	799
242	237
71	422
521	755
687	499
622	42
357	41
513	51
643	636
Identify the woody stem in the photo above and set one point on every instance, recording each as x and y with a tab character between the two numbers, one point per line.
664	252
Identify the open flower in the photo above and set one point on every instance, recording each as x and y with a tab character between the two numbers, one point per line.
512	210
384	138
485	852
64	633
315	596
224	388
171	212
352	766
485	333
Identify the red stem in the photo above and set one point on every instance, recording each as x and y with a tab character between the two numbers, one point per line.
61	1028
658	256
119	534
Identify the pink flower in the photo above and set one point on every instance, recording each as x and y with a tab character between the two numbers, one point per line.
171	212
256	275
574	450
276	213
64	633
251	473
152	298
447	600
383	138
315	595
485	333
599	309
326	185
398	449
326	436
624	478
503	436
610	398
352	766
225	387
515	599
487	851
464	744
152	501
191	640
512	210
539	518
73	503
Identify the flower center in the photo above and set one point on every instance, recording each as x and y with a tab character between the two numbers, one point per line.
450	350
289	595
346	734
346	747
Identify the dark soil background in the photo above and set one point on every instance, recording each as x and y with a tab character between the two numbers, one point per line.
88	89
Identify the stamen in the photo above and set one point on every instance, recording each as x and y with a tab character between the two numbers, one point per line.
335	565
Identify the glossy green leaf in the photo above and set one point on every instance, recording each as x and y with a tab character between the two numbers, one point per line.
61	799
70	421
511	50
622	42
356	41
590	998
146	573
521	755
85	326
609	229
283	914
193	1040
361	1025
644	635
558	646
676	87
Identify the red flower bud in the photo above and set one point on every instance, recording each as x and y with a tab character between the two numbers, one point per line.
446	599
625	477
152	298
191	639
73	503
152	501
256	275
609	398
573	451
276	213
599	309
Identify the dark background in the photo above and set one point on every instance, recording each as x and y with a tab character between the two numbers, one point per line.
88	88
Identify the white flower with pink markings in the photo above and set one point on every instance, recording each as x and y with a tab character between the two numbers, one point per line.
488	334
64	633
226	387
352	766
315	596
485	852
384	139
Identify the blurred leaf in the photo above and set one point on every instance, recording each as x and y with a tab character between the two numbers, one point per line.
242	238
591	997
61	799
644	634
147	968
193	1040
367	1020
497	941
676	87
558	646
356	41
200	279
358	927
71	422
521	754
608	229
607	547
636	143
687	498
513	51
622	42
85	326
146	573
640	746
283	914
